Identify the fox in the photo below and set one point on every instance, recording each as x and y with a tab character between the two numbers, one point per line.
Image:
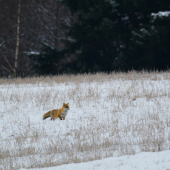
58	113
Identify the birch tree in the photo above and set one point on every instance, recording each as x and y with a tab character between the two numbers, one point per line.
26	25
7	36
17	42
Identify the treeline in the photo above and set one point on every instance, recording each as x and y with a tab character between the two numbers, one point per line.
40	37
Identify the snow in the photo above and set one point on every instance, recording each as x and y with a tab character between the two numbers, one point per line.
110	116
140	161
32	53
161	14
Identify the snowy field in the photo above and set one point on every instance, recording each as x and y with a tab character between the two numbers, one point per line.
110	116
140	161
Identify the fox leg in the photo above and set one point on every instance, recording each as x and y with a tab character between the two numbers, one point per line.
60	117
63	118
52	118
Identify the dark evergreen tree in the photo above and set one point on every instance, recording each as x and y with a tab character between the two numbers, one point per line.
96	41
48	61
150	46
103	33
107	35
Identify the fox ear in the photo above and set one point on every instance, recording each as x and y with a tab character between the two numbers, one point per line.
63	104
68	103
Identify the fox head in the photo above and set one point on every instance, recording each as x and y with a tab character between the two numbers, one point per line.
66	105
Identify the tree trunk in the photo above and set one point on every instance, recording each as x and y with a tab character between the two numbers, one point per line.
17	43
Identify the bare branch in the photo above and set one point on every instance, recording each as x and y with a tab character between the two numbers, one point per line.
7	62
2	44
8	70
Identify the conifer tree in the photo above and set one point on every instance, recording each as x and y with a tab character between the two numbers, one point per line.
103	33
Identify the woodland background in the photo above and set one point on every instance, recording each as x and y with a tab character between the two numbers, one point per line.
49	37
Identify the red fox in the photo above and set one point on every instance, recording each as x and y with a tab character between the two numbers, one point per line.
58	113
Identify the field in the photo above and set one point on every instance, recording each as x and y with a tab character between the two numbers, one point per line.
110	115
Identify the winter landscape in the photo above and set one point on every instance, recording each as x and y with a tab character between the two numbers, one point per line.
116	121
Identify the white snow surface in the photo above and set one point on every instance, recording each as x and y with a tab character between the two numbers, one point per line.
108	120
140	161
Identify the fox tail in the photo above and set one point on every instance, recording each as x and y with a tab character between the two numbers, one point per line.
46	115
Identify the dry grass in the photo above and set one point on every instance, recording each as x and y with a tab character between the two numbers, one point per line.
111	115
132	75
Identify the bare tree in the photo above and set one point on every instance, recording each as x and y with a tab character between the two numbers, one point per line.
26	25
7	35
17	42
9	65
49	20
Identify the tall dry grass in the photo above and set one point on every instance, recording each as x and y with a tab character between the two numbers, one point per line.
111	115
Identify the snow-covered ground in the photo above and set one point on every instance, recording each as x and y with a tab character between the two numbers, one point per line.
110	116
140	161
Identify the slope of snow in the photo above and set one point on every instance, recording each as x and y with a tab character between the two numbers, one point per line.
140	161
